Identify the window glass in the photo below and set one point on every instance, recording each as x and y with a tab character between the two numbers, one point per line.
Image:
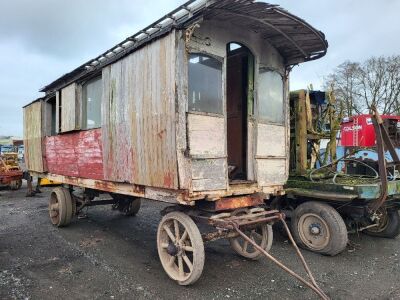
92	94
205	84
53	117
270	95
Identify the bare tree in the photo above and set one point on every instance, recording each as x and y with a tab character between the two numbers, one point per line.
343	81
359	85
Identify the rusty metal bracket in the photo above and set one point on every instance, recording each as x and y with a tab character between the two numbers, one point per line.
235	224
382	141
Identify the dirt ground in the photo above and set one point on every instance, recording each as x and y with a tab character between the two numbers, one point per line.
109	256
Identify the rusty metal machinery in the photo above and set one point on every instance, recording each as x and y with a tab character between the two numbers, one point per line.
361	195
10	171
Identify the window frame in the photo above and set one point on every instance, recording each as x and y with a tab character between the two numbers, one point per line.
221	60
263	119
84	118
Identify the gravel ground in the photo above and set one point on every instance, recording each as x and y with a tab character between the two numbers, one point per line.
109	256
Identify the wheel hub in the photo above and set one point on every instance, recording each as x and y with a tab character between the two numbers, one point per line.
315	229
172	250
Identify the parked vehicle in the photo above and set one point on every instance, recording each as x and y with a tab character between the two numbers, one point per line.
21	151
7	149
351	194
10	171
190	111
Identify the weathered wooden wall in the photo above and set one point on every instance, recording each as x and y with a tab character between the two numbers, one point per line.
271	154
77	154
139	117
33	134
267	143
69	101
207	140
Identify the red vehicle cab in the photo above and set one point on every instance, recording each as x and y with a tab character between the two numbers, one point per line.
358	131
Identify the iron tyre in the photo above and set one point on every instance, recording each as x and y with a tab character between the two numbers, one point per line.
61	207
180	248
389	227
318	227
133	208
127	205
263	236
16	184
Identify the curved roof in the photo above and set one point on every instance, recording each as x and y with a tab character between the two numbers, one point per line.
295	39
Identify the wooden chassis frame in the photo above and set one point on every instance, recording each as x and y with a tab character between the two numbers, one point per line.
182	197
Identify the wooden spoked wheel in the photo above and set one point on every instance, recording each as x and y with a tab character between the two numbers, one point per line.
61	208
180	248
262	235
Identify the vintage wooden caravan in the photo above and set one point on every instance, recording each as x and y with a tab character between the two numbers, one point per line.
192	110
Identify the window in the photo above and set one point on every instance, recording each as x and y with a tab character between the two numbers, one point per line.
53	116
270	95
205	84
91	102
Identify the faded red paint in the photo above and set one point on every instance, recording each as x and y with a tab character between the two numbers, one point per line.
168	180
9	176
77	154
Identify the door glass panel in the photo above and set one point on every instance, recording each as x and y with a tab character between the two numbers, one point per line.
270	95
205	84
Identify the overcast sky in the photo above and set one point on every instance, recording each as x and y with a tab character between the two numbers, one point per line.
43	39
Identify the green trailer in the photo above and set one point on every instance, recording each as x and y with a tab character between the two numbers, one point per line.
325	204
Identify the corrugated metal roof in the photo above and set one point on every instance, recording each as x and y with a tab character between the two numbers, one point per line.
295	39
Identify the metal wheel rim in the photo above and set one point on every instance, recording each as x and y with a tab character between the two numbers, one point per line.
174	236
317	241
54	209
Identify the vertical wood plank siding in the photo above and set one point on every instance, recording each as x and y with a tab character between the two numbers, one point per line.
139	117
33	137
70	109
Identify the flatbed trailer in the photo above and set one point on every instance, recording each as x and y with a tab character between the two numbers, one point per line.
344	192
323	213
325	204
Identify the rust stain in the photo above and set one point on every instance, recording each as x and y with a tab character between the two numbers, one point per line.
161	133
112	187
168	180
238	202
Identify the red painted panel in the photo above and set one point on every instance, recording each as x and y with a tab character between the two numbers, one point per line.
77	154
358	131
